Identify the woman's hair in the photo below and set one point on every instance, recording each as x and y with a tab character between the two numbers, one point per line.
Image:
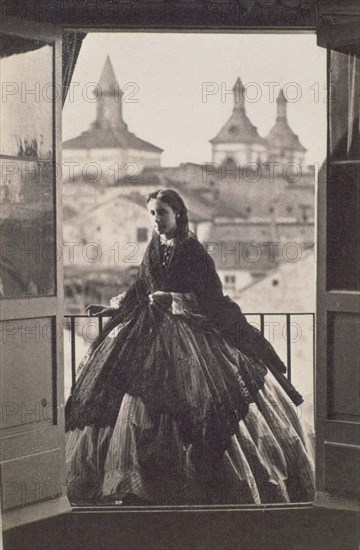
176	203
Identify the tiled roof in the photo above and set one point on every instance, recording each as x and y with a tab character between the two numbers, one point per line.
289	287
199	209
241	232
238	129
105	138
281	136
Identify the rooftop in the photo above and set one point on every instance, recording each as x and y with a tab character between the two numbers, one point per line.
109	138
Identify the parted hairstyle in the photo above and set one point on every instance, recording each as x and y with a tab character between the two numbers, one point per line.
176	203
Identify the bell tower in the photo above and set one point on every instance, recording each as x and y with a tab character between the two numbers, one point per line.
109	105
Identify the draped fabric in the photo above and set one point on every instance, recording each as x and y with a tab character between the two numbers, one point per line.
71	44
161	396
354	106
344	105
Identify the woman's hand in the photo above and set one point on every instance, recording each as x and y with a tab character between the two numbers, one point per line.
161	298
95	310
117	300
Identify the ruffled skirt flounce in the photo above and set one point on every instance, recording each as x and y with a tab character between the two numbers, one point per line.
183	418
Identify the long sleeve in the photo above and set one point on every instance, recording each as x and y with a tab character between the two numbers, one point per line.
207	287
229	319
115	301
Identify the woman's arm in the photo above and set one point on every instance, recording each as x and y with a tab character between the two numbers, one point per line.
204	281
96	310
106	311
116	303
226	314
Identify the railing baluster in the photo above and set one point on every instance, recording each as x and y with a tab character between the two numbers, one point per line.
288	345
262	323
313	343
73	352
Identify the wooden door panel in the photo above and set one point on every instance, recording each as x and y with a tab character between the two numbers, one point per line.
32	429
23	441
342	470
337	395
28	356
32	479
343	366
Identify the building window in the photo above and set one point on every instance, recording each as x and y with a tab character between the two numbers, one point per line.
304	211
229	160
142	234
229	280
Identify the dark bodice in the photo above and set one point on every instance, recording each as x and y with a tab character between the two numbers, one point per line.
189	268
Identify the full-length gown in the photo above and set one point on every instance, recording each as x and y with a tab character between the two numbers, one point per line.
185	404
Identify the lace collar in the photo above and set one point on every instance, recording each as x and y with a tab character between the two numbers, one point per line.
167	242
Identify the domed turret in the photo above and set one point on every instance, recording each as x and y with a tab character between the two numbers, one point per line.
283	144
238	140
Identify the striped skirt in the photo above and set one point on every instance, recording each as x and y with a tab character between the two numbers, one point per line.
269	458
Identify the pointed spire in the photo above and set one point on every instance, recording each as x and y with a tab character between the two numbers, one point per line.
281	106
108	82
239	95
109	104
281	137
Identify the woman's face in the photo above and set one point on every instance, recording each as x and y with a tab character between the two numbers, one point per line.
163	217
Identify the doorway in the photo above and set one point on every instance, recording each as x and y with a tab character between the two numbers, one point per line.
249	173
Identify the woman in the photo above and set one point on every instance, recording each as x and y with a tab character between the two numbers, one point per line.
180	400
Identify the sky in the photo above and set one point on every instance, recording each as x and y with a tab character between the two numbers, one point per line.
176	87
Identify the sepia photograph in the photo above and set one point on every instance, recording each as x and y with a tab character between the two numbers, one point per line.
179	283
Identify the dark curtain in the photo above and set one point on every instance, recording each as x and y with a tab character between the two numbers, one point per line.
11	44
70	50
344	103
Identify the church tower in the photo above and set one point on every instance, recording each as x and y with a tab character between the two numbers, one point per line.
108	143
238	140
109	105
283	144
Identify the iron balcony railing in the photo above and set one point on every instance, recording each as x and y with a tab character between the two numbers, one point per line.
258	319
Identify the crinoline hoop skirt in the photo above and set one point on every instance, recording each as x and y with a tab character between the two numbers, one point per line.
167	410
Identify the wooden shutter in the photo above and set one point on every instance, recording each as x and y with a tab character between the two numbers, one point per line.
337	395
31	286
